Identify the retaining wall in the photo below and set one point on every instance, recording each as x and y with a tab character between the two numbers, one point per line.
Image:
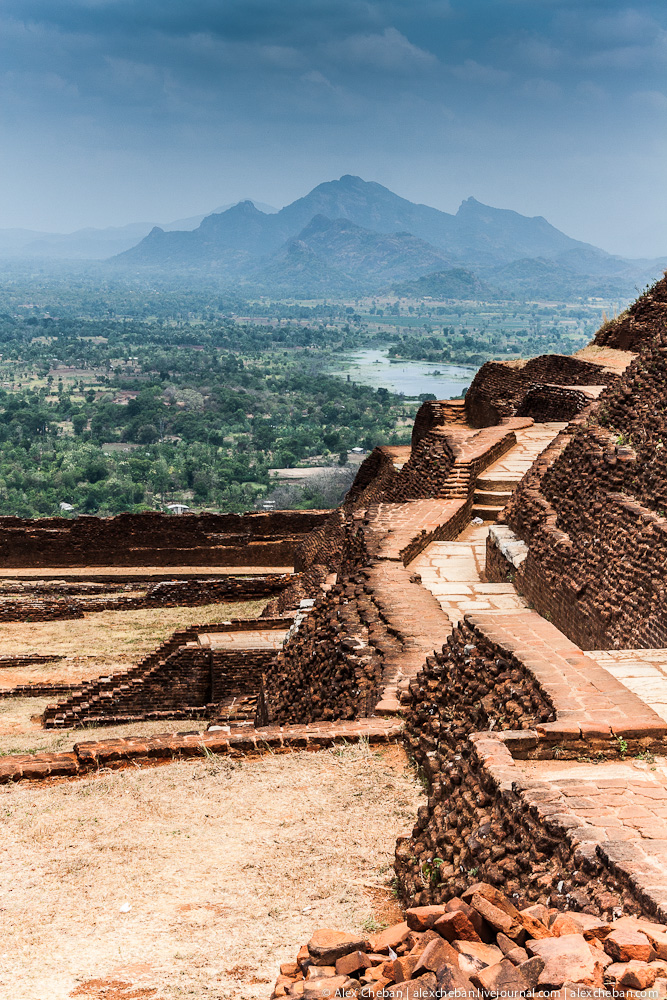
255	539
499	388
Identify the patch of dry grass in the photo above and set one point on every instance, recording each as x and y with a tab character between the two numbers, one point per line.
101	643
227	868
113	634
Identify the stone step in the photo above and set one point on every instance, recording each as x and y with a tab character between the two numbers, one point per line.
489	498
497	485
487	513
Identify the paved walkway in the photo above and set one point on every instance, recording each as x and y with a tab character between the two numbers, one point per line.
643	671
511	467
454	573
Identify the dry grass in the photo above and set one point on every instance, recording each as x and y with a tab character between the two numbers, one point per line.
145	572
113	634
103	640
227	867
101	643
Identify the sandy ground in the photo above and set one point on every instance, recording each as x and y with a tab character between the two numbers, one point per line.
195	879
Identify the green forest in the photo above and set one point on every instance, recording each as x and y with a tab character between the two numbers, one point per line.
125	396
110	416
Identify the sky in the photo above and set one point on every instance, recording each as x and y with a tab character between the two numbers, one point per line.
119	111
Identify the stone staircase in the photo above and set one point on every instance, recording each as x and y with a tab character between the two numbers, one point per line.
453	411
489	501
459	481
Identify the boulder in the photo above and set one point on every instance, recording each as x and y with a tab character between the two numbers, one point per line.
474	955
422	918
568	958
625	945
632	975
326	946
456	926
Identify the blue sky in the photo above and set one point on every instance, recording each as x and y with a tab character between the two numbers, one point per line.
115	111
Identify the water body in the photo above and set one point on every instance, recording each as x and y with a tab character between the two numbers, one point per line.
373	367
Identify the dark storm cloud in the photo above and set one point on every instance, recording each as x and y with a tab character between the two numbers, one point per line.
518	99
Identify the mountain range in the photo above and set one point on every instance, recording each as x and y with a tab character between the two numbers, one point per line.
350	236
90	243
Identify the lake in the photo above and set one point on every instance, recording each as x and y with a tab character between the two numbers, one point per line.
412	378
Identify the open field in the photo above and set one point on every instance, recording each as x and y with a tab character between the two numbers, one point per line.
195	879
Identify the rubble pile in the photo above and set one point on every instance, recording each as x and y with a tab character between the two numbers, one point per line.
482	945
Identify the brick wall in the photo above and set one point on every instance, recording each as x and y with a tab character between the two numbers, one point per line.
332	667
637	326
498	388
254	539
478	825
169	593
592	511
177	677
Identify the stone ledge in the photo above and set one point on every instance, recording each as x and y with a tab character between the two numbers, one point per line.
591	706
639	864
89	757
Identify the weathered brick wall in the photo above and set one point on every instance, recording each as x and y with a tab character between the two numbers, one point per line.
499	388
176	677
475	826
426	472
552	402
637	326
373	477
156	539
464	689
592	511
332	667
169	593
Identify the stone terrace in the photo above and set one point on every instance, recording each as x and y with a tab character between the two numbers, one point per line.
546	764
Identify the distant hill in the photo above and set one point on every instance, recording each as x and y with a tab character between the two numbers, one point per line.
351	236
566	278
91	243
455	283
476	236
337	254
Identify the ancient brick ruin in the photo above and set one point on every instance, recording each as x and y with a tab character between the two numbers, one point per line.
494	597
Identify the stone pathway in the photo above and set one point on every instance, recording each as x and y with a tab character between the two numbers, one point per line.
643	671
454	573
395	525
506	472
625	800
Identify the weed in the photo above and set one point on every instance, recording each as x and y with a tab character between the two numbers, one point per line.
429	870
598	758
621	745
646	755
372	926
472	872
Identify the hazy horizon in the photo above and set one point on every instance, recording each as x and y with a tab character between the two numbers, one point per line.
118	112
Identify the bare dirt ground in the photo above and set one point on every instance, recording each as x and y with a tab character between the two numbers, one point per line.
195	879
101	643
